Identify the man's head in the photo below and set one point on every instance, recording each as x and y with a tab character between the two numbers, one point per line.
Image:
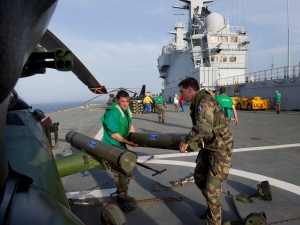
123	99
276	91
188	88
223	90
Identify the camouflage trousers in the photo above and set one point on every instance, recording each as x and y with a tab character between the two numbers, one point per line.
277	106
211	170
161	112
122	182
228	120
176	107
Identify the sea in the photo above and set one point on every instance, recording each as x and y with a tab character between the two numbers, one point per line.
53	107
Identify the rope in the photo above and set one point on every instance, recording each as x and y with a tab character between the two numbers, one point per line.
282	221
87	192
82	119
175	184
172	198
144	201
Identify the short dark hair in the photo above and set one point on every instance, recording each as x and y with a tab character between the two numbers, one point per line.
190	82
223	90
122	93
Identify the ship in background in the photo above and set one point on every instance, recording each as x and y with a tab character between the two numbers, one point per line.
214	53
210	49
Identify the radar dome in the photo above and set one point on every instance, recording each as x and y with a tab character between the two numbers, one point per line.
165	50
214	22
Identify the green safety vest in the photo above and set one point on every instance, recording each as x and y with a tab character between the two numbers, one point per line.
159	100
226	103
125	124
277	97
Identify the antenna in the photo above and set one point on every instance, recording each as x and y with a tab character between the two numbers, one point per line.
272	65
288	20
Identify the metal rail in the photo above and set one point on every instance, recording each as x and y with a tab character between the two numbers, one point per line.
270	74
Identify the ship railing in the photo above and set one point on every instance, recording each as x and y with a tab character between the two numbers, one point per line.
232	29
172	47
270	74
237	29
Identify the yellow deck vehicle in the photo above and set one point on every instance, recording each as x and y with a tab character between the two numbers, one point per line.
235	100
253	103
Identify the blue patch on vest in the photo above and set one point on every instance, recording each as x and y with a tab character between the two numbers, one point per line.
153	137
92	144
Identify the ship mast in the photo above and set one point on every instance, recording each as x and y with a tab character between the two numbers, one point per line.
288	20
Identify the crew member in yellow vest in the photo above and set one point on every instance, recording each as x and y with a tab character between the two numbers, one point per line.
147	102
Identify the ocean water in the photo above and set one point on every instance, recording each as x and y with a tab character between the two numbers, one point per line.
53	107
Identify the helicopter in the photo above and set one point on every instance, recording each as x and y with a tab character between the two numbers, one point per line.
31	190
134	96
112	97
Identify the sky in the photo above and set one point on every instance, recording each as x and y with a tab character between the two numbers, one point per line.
119	42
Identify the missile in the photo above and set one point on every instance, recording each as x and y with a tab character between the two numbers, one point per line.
63	60
122	160
158	140
79	162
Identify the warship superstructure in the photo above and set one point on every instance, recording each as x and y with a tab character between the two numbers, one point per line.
214	53
210	49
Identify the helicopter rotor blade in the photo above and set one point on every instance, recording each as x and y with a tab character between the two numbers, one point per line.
86	102
50	41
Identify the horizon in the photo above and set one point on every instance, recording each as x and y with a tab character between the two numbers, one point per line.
120	46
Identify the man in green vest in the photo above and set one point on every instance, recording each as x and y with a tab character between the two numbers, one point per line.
277	99
117	124
227	106
213	135
161	107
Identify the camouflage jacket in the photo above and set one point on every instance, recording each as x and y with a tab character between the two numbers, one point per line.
208	123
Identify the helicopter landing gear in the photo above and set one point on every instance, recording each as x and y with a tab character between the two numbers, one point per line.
112	215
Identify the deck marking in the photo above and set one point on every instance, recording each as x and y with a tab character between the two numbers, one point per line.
234	150
275	182
144	158
92	194
157	159
278	183
99	136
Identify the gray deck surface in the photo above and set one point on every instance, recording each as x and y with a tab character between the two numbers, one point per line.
256	131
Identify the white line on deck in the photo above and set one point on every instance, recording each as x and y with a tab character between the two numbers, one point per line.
99	135
234	150
158	160
278	183
92	194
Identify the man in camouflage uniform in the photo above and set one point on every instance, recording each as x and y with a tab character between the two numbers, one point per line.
153	105
216	143
161	107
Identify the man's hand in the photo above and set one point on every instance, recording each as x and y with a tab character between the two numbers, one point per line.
132	144
236	122
183	146
119	138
